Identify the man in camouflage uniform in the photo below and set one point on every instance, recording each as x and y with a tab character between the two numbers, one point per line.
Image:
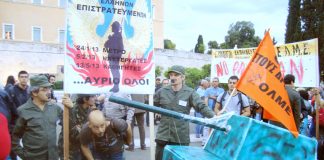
180	98
78	117
36	124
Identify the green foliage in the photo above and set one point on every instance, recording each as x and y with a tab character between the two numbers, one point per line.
242	34
200	47
168	44
306	21
212	45
206	70
293	24
58	85
158	71
193	75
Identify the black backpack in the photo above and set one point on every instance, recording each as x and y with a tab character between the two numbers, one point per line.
240	101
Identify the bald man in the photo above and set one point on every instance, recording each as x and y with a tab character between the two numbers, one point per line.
106	137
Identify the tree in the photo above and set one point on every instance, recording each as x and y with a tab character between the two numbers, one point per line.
168	44
242	34
212	45
200	47
158	71
193	76
293	24
206	70
306	21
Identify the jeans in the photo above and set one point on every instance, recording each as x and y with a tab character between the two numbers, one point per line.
106	156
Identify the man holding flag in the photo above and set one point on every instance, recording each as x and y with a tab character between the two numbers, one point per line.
262	80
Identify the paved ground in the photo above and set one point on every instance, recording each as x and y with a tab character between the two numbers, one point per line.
139	154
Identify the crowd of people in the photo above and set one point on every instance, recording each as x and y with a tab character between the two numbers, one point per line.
100	129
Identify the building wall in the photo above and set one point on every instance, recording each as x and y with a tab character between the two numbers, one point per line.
25	15
45	58
51	18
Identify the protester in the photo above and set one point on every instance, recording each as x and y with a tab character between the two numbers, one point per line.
139	117
37	122
5	107
77	118
106	137
318	100
295	101
52	80
201	91
180	98
165	82
115	110
18	95
238	102
158	84
10	83
211	95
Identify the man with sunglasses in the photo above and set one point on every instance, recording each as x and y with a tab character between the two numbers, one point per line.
37	122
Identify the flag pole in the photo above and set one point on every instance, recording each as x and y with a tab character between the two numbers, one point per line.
228	100
66	141
317	121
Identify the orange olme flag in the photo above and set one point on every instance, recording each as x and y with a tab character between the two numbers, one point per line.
262	81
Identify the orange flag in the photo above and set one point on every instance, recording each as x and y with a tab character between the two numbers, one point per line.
262	81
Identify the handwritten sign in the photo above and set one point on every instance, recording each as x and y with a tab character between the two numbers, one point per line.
299	59
109	47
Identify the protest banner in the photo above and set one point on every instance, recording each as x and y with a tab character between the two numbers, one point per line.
262	80
299	59
109	47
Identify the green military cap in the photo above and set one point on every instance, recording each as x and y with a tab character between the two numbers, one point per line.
39	81
177	69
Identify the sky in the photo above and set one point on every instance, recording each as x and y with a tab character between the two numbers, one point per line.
185	20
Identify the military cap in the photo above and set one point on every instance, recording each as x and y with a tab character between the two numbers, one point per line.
177	69
39	81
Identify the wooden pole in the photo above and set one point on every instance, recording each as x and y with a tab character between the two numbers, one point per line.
66	130
317	122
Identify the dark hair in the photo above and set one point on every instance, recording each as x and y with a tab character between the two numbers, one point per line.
233	78
304	94
22	72
80	97
158	79
49	76
289	78
11	80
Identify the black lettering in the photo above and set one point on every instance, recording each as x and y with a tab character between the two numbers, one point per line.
264	87
280	102
96	79
87	80
127	81
142	81
263	61
273	68
272	94
288	111
104	80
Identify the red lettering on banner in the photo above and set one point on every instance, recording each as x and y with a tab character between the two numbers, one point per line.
221	68
300	72
238	68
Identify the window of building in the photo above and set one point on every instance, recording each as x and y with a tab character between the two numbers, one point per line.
37	1
61	36
37	34
8	31
62	3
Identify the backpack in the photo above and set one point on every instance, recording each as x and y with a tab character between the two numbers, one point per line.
240	101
